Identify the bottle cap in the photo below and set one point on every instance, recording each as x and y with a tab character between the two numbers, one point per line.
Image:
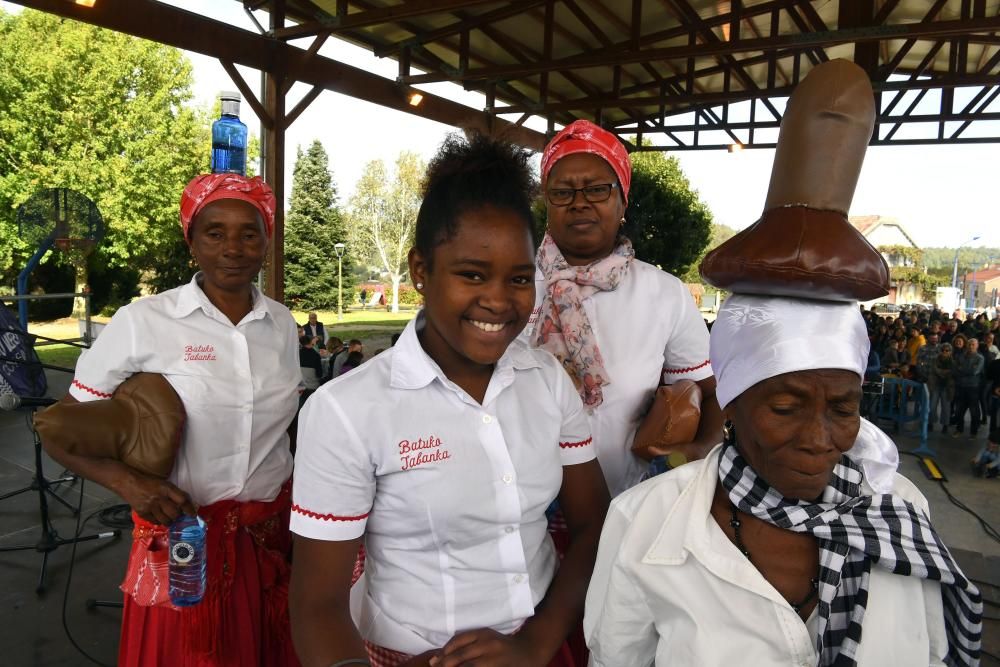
230	102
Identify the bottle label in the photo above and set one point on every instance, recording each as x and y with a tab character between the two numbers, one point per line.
182	553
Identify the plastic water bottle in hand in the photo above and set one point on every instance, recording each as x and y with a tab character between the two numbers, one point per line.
187	560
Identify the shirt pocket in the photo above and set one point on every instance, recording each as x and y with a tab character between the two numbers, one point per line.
201	391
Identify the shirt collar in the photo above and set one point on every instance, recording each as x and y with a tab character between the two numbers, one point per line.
412	367
192	297
683	530
686	528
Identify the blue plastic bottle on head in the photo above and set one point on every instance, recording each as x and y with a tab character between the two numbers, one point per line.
187	560
229	138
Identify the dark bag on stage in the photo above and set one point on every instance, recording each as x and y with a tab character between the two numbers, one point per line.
21	371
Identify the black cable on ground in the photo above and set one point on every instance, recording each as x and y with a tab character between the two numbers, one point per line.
80	523
990	531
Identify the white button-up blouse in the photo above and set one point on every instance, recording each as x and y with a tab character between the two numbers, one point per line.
239	384
649	332
450	494
670	588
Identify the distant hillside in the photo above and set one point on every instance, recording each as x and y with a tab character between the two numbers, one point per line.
968	258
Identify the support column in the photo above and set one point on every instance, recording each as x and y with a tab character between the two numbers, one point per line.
273	164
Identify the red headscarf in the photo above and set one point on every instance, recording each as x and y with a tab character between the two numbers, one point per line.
204	189
582	136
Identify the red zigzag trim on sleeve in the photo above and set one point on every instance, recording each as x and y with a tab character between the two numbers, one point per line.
327	517
677	371
90	390
582	443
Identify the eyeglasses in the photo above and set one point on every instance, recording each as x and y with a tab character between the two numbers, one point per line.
595	194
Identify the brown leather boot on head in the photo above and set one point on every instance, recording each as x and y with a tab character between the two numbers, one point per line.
803	245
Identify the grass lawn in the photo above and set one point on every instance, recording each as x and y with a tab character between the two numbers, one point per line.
358	318
362	324
58	355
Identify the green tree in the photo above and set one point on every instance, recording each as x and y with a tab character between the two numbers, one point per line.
668	224
720	234
383	216
312	228
102	113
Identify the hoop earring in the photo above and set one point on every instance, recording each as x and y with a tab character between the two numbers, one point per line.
728	433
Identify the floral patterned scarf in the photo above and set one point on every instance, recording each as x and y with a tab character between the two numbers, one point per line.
563	327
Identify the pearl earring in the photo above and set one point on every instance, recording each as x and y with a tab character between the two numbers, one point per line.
420	285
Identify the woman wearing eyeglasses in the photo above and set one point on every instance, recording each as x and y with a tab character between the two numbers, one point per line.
620	327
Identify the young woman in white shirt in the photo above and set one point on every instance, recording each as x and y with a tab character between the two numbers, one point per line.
443	453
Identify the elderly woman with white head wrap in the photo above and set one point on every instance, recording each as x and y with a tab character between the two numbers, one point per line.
794	542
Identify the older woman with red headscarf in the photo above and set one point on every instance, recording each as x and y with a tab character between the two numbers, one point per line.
230	354
621	327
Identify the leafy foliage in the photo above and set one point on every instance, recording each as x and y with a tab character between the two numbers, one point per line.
102	113
383	216
720	234
911	256
312	228
916	275
668	224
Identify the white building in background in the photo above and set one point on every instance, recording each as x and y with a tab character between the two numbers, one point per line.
882	231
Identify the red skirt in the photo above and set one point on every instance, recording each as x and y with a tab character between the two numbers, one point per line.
243	619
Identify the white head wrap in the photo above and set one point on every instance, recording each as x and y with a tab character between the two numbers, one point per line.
758	337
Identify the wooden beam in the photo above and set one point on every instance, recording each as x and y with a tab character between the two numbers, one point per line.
801	42
163	23
372	17
251	98
683	102
303	104
461	26
273	166
890	67
859	14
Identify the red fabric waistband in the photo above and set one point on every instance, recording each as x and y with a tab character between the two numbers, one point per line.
229	524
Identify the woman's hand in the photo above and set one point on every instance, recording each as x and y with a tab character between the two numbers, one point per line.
153	499
487	648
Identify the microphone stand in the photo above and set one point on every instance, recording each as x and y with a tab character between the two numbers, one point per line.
49	539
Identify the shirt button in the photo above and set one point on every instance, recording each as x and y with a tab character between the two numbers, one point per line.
508	478
487	419
518	578
509	529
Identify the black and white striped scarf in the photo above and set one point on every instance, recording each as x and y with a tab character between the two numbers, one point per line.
854	531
